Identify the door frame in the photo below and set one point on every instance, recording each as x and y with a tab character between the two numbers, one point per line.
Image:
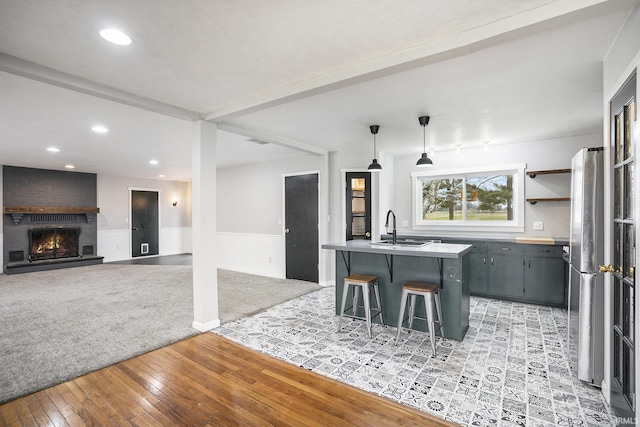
129	219
608	232
375	226
283	220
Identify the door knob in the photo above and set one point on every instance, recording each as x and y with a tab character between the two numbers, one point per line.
286	230
367	234
607	269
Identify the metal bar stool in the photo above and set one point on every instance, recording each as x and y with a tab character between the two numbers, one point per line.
431	297
364	282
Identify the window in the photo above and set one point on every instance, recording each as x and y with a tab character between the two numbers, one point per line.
472	199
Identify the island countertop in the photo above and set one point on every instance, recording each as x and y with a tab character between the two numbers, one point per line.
430	250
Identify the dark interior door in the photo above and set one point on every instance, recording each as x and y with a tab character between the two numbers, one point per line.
358	205
301	226
623	141
144	223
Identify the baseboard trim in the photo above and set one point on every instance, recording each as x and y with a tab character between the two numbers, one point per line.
204	327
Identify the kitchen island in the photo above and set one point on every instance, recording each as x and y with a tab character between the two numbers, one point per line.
396	264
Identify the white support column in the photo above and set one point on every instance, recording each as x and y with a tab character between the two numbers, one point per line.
205	258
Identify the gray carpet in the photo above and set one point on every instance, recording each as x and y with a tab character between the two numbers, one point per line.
56	325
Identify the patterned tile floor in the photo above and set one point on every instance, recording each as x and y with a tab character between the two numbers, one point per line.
510	369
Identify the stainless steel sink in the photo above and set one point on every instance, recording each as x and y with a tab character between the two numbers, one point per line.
412	243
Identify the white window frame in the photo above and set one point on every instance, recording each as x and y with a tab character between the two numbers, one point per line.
514	225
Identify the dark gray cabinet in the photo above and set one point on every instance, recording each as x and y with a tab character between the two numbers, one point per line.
520	272
506	274
478	273
544	272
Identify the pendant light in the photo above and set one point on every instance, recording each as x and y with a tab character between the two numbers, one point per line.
374	166
424	161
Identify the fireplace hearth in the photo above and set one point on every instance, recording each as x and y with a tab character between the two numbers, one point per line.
53	243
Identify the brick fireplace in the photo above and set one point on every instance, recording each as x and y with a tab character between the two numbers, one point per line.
49	219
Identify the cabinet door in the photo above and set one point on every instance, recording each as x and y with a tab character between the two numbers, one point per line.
506	275
478	269
544	280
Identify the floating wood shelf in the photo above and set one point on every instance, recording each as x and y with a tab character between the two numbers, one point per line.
17	212
533	174
50	210
549	199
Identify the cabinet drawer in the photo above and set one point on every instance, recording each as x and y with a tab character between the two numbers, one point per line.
551	251
506	248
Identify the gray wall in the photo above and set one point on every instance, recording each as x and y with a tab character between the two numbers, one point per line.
113	200
41	187
250	196
621	55
538	155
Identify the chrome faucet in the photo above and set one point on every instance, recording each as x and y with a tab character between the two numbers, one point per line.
394	225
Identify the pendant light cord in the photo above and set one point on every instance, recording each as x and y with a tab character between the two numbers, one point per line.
374	146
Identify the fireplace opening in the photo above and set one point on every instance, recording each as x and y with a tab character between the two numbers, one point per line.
51	243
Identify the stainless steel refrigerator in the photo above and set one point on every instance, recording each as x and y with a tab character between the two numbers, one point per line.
586	284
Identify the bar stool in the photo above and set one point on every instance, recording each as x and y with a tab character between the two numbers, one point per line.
364	282
431	297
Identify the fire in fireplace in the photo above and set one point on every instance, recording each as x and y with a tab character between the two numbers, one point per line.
51	243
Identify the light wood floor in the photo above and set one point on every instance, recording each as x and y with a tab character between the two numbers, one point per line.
207	380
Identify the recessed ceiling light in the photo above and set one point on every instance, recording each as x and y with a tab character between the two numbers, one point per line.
99	129
161	176
69	166
115	36
153	162
53	149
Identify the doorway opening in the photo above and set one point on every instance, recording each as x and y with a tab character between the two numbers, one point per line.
358	206
623	128
145	227
301	227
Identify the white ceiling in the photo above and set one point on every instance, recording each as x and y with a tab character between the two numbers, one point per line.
316	73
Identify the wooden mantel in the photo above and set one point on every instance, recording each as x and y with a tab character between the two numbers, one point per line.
17	212
50	210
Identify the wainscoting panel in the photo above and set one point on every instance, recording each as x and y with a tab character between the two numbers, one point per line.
113	245
261	254
175	240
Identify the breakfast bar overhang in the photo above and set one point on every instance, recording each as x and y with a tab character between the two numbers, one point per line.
394	264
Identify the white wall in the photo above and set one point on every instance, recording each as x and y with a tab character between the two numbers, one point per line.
538	155
250	214
113	219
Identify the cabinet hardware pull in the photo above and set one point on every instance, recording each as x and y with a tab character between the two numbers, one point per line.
506	249
491	260
607	269
484	260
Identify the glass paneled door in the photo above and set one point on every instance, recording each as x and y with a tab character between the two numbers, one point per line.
623	147
358	205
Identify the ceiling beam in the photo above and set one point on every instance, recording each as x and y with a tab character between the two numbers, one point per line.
551	15
274	139
20	67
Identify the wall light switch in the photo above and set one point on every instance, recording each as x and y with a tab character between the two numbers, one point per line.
405	223
538	225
